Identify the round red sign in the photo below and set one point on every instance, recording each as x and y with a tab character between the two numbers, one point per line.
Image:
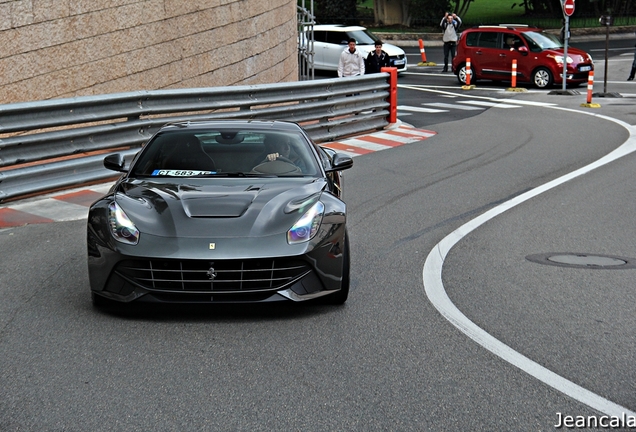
568	7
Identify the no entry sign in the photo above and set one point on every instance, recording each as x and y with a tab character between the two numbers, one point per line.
568	7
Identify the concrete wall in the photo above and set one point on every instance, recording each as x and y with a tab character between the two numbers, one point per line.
64	48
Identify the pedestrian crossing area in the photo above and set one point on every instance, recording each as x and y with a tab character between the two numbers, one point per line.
73	204
463	105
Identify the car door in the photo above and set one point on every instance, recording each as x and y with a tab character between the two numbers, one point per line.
336	44
511	43
491	57
320	43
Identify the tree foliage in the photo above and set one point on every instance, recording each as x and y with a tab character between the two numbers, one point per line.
336	11
553	8
403	12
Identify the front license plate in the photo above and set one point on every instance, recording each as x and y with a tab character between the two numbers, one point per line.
399	62
585	68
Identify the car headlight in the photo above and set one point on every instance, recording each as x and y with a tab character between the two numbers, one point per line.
120	226
307	226
559	59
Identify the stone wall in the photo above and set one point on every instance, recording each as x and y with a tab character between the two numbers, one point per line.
64	48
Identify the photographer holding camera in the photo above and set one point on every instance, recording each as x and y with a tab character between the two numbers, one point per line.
450	23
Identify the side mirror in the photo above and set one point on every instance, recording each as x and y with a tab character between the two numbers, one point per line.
523	50
115	162
340	162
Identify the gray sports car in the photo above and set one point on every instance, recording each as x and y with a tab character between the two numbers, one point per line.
226	211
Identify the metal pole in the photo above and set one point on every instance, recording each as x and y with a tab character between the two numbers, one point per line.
566	37
606	52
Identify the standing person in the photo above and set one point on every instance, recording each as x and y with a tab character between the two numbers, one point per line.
377	59
351	61
450	23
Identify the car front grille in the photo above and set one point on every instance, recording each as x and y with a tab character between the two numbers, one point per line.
204	276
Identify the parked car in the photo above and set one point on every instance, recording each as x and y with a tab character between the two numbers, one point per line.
222	212
331	39
539	55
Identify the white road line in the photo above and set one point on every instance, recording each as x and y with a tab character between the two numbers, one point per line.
367	145
489	104
434	287
453	106
419	109
412	131
402	139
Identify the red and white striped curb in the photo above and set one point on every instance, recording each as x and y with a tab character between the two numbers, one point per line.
73	204
380	140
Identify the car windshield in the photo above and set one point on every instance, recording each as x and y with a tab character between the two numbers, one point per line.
227	153
363	37
542	40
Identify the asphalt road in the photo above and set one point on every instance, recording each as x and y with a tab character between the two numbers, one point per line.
388	359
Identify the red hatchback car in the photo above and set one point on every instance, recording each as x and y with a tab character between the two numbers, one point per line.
539	55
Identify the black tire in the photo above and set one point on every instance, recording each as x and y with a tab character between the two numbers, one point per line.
341	296
542	78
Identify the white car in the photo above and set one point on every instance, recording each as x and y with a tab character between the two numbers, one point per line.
331	39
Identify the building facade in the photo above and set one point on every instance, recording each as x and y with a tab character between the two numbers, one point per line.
65	48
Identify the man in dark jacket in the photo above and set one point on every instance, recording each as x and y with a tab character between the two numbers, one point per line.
377	59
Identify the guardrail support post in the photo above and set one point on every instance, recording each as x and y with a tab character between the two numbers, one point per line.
392	99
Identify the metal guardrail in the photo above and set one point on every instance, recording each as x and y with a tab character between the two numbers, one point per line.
52	144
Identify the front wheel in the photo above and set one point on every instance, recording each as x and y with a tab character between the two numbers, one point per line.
542	78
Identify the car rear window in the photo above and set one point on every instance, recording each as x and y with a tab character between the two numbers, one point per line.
482	39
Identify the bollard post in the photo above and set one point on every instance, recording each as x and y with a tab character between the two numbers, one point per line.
423	53
392	99
468	73
590	89
590	86
513	80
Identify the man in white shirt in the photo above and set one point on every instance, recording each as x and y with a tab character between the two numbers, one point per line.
450	23
351	61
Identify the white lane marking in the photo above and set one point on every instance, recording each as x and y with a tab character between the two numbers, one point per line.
453	106
434	287
413	136
367	145
489	104
419	109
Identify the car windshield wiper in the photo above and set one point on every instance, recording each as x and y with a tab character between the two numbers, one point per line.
237	174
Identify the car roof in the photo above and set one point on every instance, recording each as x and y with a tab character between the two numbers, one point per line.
337	27
232	123
515	27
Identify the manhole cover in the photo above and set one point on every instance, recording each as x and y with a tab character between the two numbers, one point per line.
580	260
